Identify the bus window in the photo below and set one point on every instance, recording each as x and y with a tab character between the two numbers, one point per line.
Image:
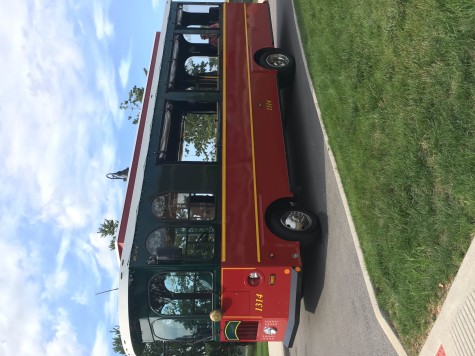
199	36
202	66
193	57
171	206
197	15
184	206
208	37
197	242
186	307
202	207
181	243
181	329
185	282
189	133
158	239
198	141
181	293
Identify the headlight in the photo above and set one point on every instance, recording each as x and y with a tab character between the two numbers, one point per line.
254	279
269	330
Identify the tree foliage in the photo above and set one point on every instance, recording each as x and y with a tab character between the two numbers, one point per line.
108	229
171	348
211	348
200	135
134	103
207	65
117	341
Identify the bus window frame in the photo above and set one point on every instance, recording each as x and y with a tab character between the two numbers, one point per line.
210	246
197	274
170	140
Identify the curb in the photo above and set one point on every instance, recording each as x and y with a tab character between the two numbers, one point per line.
276	349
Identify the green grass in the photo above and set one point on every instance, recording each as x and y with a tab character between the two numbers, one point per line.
260	349
395	81
253	349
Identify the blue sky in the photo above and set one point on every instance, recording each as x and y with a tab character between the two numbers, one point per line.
66	67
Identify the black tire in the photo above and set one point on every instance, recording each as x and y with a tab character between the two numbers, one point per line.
291	222
280	60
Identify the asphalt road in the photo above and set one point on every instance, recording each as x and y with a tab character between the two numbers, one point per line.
337	317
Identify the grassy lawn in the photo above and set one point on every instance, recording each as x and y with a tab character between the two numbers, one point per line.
395	80
260	349
253	349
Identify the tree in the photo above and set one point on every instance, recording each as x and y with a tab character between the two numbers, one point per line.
108	229
174	348
200	135
117	341
134	102
207	65
215	348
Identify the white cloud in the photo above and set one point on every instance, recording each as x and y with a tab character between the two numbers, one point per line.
124	69
159	5
81	297
84	253
27	325
65	340
50	122
111	305
104	27
21	313
103	255
57	143
105	83
101	344
155	3
55	282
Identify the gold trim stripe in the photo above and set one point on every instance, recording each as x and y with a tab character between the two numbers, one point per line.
223	170
256	209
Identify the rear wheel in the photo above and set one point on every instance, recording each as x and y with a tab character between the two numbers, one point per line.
291	222
280	60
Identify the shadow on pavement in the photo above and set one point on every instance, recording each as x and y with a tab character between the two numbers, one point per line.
306	150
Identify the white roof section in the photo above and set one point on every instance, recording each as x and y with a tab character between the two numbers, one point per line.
135	185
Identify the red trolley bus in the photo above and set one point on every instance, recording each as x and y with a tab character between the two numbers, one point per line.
209	240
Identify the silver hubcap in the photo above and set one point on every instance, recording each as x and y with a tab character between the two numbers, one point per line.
277	60
296	220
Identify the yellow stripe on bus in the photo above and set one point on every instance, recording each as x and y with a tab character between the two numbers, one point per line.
256	209
223	171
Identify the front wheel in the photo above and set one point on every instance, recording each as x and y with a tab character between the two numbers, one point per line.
291	222
280	60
